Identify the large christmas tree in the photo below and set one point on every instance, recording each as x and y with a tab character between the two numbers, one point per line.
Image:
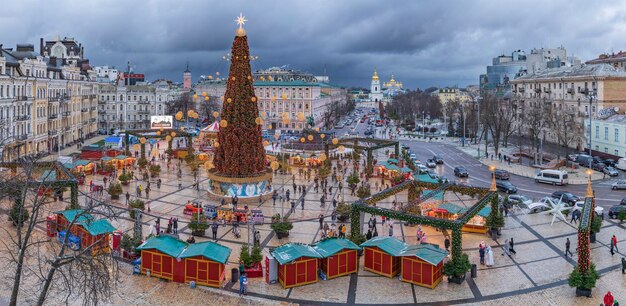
240	151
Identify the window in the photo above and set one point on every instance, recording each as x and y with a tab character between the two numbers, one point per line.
616	153
616	135
606	133
606	150
597	131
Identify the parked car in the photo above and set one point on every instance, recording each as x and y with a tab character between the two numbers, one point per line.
572	157
615	210
421	168
598	159
518	199
460	172
431	163
621	184
413	156
598	166
621	164
598	209
583	160
565	196
610	171
438	159
506	186
609	162
501	174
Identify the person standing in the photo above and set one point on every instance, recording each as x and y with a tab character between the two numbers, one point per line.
489	256
274	196
390	230
567	245
175	225
623	265
293	206
511	245
321	217
608	299
481	252
243	284
446	243
214	227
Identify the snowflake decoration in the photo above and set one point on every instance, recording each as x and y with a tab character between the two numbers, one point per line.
556	209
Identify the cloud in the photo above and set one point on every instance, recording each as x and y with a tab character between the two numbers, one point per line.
424	43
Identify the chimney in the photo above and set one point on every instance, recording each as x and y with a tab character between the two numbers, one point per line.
41	46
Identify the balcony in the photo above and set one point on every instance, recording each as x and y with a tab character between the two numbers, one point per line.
21	137
143	102
547	90
53	116
521	89
101	111
66	114
537	90
53	132
570	91
22	98
102	102
144	112
67	128
22	118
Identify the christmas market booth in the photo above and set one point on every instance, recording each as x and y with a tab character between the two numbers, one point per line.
81	166
205	263
422	264
160	258
297	264
89	230
391	168
339	257
381	255
123	161
449	211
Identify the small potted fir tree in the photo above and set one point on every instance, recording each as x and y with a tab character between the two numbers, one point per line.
281	226
456	268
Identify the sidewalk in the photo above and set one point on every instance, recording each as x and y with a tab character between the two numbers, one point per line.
72	149
576	176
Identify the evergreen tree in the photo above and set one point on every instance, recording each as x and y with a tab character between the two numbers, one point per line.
240	151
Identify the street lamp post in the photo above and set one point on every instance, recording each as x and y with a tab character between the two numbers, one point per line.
591	96
463	111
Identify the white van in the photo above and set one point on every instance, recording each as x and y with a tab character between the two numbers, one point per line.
621	164
554	177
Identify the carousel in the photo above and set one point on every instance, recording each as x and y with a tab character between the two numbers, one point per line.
208	136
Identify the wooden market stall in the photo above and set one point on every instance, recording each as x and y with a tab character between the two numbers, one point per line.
297	264
381	255
451	211
205	263
87	228
422	264
339	256
123	161
159	258
477	223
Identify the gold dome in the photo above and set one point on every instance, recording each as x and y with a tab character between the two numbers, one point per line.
375	77
240	32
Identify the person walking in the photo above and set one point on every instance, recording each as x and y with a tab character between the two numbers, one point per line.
214	227
446	243
321	218
608	299
175	225
344	230
274	196
623	265
614	242
390	230
505	247
127	197
511	245
567	246
293	206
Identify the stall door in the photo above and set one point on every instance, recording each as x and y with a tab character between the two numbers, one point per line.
427	271
378	261
191	270
342	259
417	272
386	263
369	258
352	261
301	270
311	270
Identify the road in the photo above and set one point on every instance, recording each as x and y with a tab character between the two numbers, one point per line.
479	174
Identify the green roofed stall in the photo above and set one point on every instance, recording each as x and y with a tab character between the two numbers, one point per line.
289	252
331	246
209	250
389	245
164	244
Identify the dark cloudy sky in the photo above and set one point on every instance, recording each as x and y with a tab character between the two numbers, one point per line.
425	43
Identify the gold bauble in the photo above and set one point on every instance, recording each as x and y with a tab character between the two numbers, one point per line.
190	113
258	120
310	137
216	114
240	32
195	97
136	147
323	157
341	148
322	136
168	138
182	128
216	144
232	78
274	165
284	96
158	133
317	129
142	140
179	116
173	134
204	93
266	143
253	99
274	98
276	136
223	123
229	100
249	77
335	141
302	139
206	98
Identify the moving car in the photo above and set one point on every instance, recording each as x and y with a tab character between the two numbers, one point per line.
610	171
438	159
501	174
506	186
615	210
460	172
431	163
565	196
554	177
621	184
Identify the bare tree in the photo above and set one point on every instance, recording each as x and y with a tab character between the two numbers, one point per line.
406	106
535	120
37	259
566	128
207	107
497	117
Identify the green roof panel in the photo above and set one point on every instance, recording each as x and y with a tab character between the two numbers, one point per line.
209	249
427	252
390	245
452	208
331	246
98	227
289	252
164	244
70	214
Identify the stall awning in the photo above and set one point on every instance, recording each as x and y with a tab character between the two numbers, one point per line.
97	227
452	209
485	212
289	252
81	162
70	214
48	175
427	252
121	157
331	246
438	194
406	170
164	244
426	178
392	160
390	245
209	250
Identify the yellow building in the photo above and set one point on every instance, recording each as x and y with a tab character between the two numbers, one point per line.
452	93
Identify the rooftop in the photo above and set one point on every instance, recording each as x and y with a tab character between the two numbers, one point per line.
600	70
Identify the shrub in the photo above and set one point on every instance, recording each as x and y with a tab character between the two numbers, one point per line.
280	226
18	214
457	266
198	224
343	211
621	216
129	242
109	168
363	191
596	224
586	281
357	239
353	179
125	177
155	169
244	256
136	204
115	190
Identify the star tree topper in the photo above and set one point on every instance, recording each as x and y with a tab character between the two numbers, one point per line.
241	20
